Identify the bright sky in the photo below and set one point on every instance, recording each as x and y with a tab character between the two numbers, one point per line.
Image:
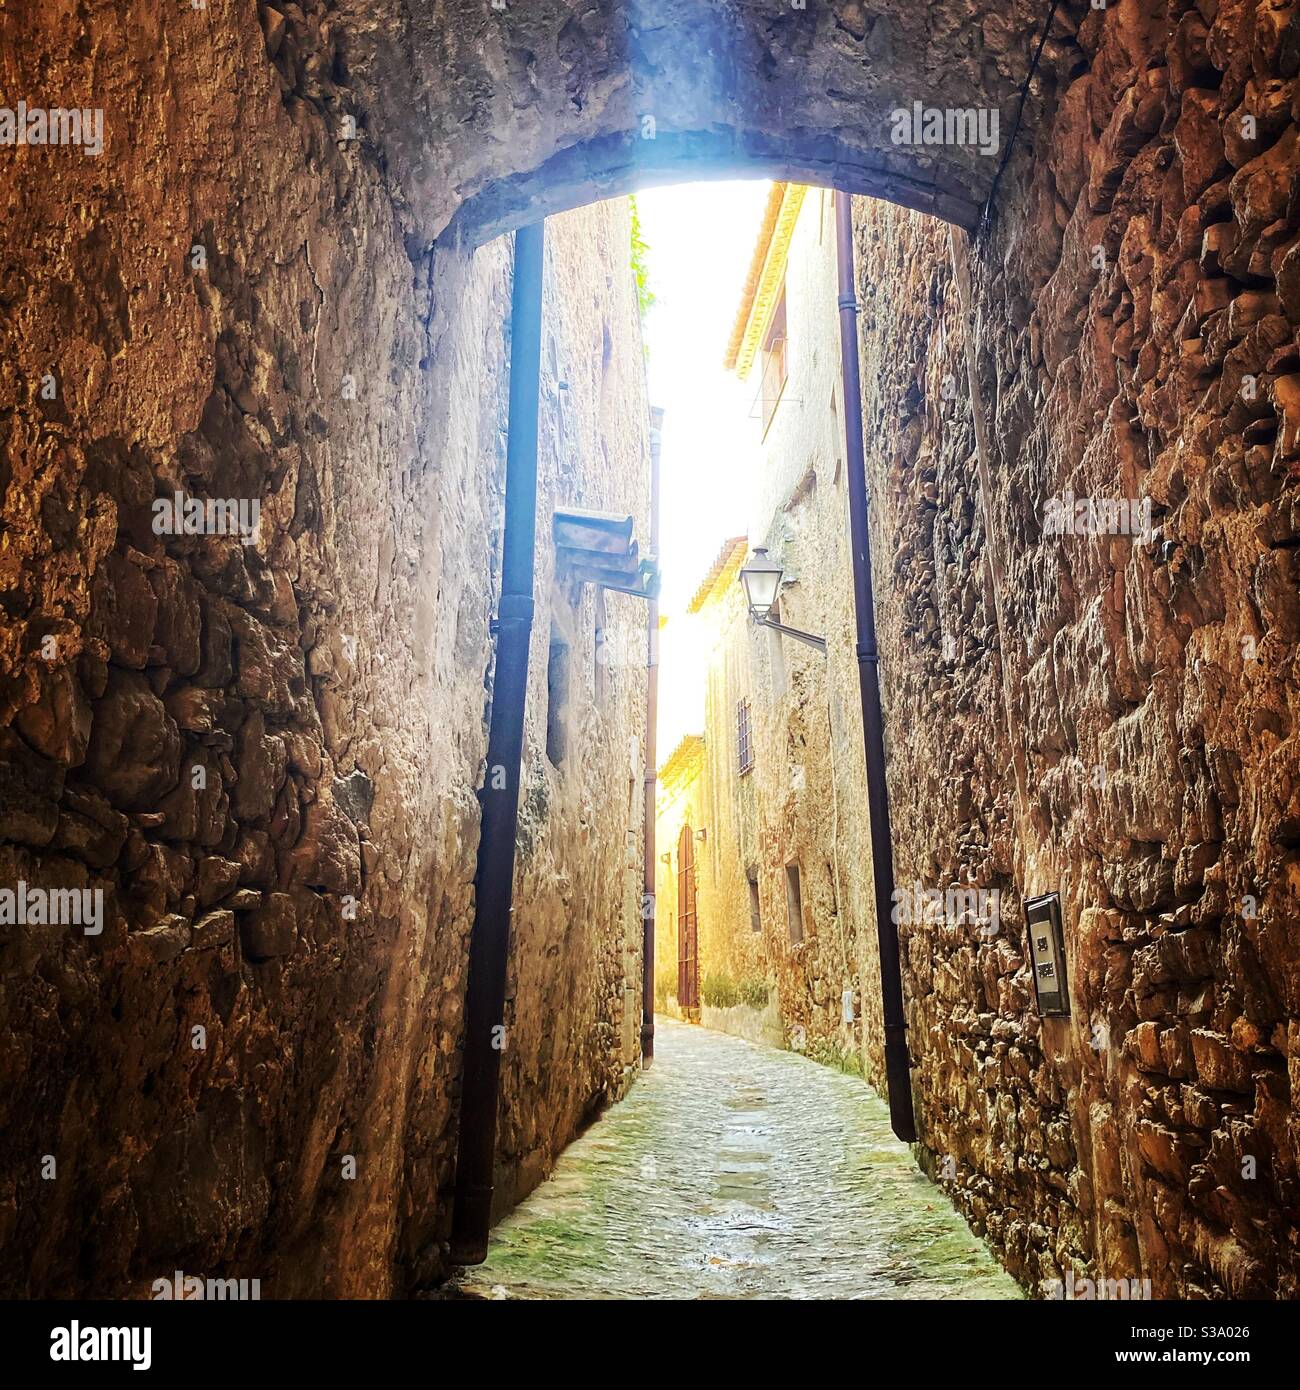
699	239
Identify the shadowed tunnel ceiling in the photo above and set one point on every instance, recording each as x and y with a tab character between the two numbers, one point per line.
545	105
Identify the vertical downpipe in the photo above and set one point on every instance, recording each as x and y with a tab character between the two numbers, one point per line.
873	732
489	945
651	755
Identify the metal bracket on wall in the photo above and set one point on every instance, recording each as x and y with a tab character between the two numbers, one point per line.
598	548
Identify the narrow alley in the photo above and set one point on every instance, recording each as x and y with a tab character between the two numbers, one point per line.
649	650
733	1170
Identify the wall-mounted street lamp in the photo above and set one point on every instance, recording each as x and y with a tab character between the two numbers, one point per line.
761	580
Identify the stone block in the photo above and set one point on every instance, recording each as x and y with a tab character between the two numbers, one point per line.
271	929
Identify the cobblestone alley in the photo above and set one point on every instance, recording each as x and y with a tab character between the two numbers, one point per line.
737	1171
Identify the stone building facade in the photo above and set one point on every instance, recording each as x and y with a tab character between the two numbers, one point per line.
574	991
707	825
679	814
816	885
786	891
265	752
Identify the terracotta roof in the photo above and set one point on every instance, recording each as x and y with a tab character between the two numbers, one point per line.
680	760
730	557
766	269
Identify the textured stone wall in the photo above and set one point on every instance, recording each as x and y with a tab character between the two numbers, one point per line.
264	754
574	993
1136	339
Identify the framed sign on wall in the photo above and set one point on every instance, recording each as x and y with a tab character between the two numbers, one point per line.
1047	953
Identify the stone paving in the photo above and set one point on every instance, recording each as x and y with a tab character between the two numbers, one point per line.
733	1170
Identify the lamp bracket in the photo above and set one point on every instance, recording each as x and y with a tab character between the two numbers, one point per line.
806	637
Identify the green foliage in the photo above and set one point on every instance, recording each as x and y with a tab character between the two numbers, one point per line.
644	294
754	992
830	1054
720	991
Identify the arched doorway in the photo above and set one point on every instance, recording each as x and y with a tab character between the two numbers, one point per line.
688	932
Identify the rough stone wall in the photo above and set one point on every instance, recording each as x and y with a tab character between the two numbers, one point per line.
733	957
1137	307
225	305
573	1024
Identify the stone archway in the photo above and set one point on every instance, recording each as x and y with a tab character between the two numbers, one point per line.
536	108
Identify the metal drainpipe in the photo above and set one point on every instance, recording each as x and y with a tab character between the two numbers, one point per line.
651	774
897	1071
495	874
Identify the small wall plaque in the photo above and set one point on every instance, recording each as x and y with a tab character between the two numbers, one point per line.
1047	953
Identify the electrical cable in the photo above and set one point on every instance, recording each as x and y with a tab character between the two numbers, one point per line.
1020	111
